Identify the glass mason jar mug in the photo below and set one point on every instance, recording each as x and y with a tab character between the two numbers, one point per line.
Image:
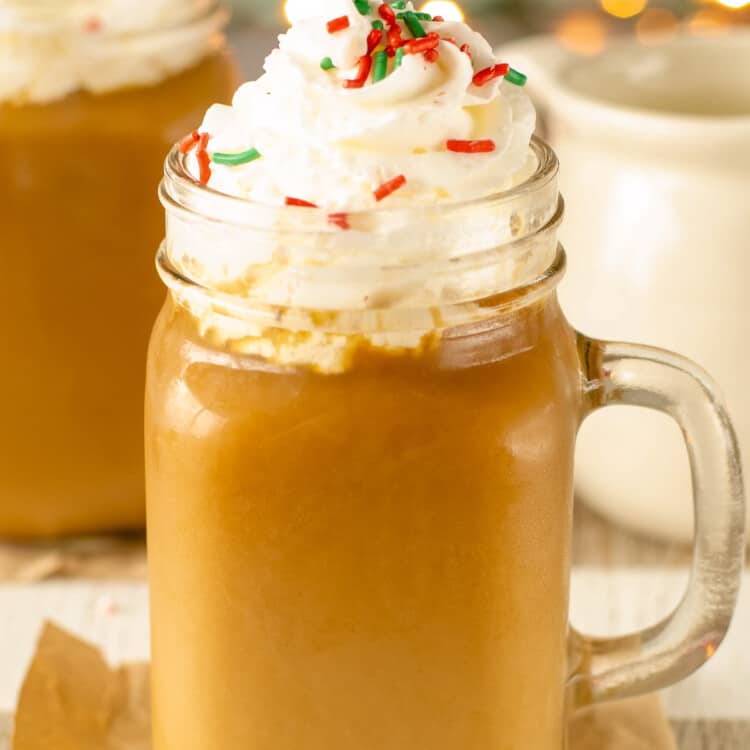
365	439
91	95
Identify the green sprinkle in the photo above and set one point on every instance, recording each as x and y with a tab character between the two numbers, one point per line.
234	160
327	64
420	16
363	6
516	78
378	24
398	5
380	67
414	25
399	58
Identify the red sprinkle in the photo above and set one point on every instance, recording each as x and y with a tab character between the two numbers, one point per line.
438	19
204	162
390	52
394	37
93	25
491	73
299	202
188	143
339	220
338	24
363	71
387	14
471	147
432	55
389	187
465	48
415	46
373	40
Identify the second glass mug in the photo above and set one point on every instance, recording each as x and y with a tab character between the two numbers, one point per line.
374	499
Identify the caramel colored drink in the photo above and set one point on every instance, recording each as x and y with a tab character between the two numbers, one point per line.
365	558
77	176
362	403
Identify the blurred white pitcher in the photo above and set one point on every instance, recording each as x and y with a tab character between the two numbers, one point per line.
654	143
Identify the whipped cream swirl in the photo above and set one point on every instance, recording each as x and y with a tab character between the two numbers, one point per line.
52	48
333	146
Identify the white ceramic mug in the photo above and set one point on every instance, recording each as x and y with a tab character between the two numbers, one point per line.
654	143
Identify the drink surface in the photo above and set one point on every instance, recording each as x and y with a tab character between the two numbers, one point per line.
79	228
375	558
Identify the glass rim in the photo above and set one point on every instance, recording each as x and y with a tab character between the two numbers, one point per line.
181	192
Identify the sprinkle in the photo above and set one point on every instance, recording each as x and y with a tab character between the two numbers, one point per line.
394	37
516	77
415	46
204	160
234	160
299	202
339	220
380	67
399	58
465	48
398	5
373	40
338	24
389	188
188	143
386	13
327	64
471	147
363	6
432	55
414	25
378	24
490	74
363	71
93	25
418	16
438	19
390	52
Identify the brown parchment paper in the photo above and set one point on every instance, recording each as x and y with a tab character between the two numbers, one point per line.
73	700
106	557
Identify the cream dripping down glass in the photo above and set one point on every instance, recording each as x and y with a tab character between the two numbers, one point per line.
362	405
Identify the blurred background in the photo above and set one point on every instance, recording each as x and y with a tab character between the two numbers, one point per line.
584	26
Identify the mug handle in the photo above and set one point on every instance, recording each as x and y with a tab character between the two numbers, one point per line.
666	653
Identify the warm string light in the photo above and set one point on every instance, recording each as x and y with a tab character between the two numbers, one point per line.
656	25
448	10
583	31
708	21
296	10
624	8
733	4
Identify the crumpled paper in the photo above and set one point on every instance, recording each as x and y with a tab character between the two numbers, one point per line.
72	699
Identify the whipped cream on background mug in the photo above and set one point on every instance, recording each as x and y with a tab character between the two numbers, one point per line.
654	143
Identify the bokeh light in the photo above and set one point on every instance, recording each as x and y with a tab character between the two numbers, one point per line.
583	31
708	21
656	25
733	4
295	10
448	10
624	8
